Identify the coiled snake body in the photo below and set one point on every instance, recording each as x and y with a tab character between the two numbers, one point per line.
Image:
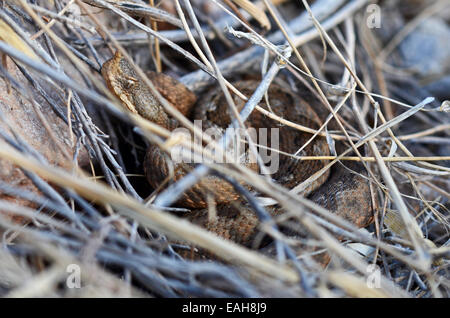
344	193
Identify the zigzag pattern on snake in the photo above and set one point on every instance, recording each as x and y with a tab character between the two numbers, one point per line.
341	191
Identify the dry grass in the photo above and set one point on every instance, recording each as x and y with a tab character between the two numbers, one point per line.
123	244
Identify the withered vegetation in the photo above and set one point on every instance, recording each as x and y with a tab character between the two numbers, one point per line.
73	193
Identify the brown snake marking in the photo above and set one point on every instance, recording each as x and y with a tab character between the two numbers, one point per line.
342	192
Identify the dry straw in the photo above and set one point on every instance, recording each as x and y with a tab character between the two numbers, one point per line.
107	227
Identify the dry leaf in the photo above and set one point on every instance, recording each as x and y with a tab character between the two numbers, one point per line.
395	224
255	12
10	37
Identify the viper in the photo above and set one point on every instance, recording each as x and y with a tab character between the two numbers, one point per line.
345	191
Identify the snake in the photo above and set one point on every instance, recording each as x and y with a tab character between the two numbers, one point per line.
342	190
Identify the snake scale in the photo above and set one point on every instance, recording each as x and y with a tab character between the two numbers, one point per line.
345	193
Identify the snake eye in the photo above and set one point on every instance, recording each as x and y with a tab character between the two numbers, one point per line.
130	82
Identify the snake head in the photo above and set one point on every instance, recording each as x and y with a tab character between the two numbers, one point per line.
121	80
124	83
